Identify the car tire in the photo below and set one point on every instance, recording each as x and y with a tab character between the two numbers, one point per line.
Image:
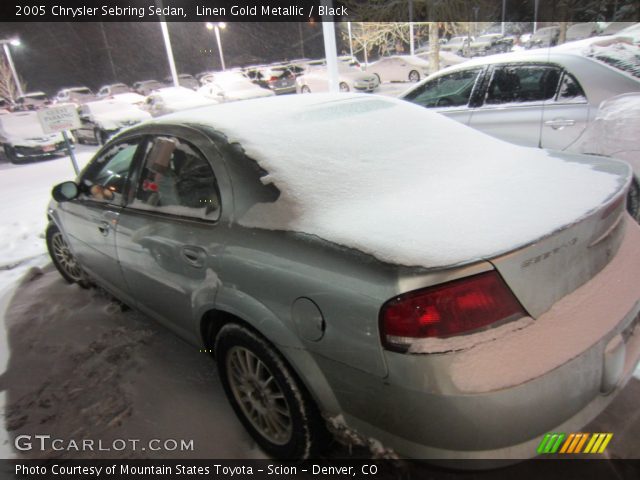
10	153
378	77
101	136
344	87
266	396
633	200
305	89
414	76
63	259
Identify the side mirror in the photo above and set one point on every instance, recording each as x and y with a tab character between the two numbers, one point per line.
65	191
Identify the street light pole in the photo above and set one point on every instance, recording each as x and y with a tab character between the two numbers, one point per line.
7	52
216	28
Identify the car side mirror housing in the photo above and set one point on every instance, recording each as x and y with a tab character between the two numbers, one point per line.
65	191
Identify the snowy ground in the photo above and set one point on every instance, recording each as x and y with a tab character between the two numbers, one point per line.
74	365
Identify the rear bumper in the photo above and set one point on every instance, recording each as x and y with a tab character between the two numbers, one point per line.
26	153
497	399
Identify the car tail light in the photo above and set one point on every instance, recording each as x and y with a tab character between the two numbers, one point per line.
449	309
272	79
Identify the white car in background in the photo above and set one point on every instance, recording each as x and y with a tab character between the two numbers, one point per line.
113	89
538	98
446	59
173	99
22	138
316	79
132	98
399	68
231	87
76	95
104	118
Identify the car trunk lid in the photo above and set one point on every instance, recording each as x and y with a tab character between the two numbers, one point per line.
541	273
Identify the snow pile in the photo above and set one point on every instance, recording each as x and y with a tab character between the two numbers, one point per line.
614	131
25	191
394	180
574	324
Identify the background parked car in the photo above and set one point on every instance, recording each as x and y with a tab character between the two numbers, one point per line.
534	98
104	118
32	101
544	37
23	139
185	80
578	31
77	95
230	87
145	87
172	99
113	89
458	45
349	79
490	43
399	68
277	78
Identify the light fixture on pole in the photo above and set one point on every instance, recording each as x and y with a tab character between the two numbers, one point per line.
5	45
216	28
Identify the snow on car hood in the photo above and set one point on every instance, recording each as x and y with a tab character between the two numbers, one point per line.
120	118
24	129
399	182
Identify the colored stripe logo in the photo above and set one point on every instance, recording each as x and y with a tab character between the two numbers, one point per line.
574	443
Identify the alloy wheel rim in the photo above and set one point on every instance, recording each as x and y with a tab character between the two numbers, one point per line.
64	257
260	397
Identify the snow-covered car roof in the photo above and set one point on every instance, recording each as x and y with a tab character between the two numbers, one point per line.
412	187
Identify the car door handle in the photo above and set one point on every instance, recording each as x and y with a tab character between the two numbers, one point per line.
104	228
194	256
558	123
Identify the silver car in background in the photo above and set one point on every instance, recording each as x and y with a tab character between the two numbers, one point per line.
409	290
538	98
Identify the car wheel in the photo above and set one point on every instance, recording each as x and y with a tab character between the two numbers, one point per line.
101	136
266	396
378	77
10	153
344	87
63	259
633	200
305	89
414	76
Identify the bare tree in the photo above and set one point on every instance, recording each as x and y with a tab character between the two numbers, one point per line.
8	87
439	12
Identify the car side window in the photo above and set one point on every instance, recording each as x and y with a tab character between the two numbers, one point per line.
570	90
176	179
104	180
451	90
522	84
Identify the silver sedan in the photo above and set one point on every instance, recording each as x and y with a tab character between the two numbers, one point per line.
446	295
539	98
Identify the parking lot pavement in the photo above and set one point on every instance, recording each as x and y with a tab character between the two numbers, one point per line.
96	371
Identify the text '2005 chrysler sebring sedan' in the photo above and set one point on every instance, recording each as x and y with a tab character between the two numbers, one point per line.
443	292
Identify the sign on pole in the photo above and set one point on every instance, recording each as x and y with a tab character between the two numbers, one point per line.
61	118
